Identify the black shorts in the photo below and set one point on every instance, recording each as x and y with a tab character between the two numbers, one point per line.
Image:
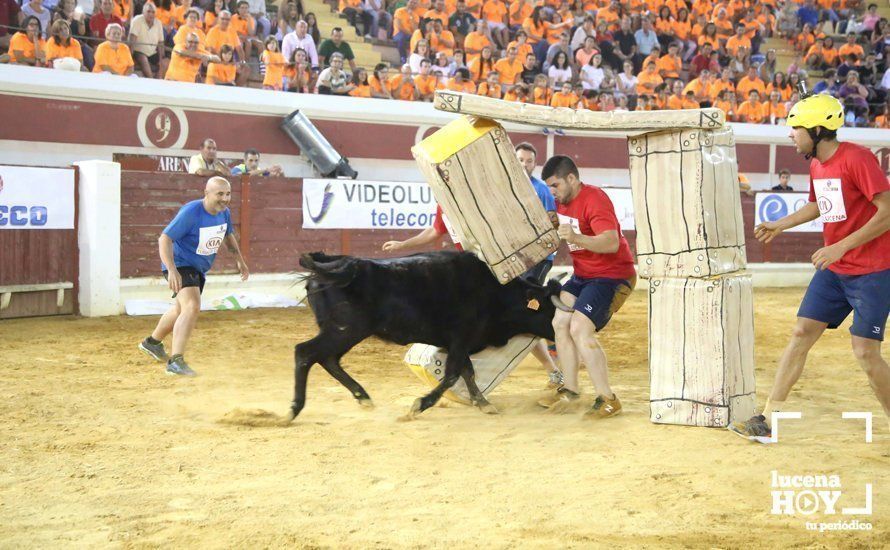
538	274
190	277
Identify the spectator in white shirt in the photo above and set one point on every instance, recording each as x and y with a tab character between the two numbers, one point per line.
300	39
592	74
147	42
627	80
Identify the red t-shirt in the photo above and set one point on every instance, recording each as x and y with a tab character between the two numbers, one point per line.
591	213
442	226
843	187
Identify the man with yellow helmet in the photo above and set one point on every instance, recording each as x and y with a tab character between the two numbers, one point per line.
850	192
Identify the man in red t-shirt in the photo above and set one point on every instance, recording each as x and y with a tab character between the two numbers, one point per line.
850	192
603	278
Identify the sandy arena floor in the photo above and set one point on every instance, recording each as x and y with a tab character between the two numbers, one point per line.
100	448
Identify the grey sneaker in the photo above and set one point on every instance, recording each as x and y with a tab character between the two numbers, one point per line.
556	380
155	351
177	365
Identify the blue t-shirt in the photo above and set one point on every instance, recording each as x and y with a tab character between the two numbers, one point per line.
546	199
197	235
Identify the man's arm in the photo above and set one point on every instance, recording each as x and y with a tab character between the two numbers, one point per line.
425	238
606	242
767	231
875	227
232	246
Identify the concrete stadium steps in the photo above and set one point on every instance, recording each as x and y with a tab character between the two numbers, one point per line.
366	54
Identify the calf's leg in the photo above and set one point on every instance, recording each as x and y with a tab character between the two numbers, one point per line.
454	366
477	398
332	365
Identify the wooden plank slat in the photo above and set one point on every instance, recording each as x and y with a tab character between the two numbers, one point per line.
701	350
687	210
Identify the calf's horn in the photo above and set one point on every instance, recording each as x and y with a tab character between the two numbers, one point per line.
560	305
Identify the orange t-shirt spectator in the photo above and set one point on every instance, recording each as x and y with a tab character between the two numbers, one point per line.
27	48
113	56
275	65
750	82
752	111
222	72
509	68
186	61
60	44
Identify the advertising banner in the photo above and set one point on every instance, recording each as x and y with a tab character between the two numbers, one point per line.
349	204
352	204
36	198
769	207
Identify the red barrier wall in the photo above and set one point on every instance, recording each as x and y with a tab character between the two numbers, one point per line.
268	217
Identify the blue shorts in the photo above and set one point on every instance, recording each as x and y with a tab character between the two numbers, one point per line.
831	297
599	298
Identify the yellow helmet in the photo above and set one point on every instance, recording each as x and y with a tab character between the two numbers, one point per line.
817	110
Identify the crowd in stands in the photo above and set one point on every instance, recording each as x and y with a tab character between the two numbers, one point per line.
600	55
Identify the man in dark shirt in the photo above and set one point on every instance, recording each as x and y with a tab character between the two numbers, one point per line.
624	48
461	23
529	69
784	178
335	44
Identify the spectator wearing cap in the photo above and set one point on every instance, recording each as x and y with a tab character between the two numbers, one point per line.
61	46
251	166
102	18
205	162
335	44
147	42
300	38
28	47
784	181
112	56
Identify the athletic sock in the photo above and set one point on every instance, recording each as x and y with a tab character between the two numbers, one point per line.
770	408
152	341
